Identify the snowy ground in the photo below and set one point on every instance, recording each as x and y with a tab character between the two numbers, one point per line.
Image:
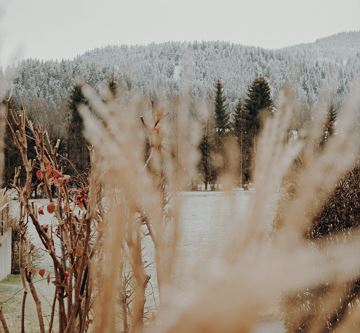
206	217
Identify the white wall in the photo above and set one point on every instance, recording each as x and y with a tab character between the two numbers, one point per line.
5	254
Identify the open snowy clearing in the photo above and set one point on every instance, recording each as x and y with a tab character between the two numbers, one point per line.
207	221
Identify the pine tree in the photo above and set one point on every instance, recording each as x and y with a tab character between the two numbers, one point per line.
222	128
257	102
258	105
222	117
77	147
113	86
12	157
238	130
238	121
329	126
206	167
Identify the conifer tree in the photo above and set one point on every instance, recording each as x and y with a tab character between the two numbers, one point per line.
257	102
238	130
222	128
222	117
78	152
238	121
258	105
12	157
113	86
329	126
206	167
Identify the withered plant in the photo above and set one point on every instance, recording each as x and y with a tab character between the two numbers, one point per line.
69	240
119	237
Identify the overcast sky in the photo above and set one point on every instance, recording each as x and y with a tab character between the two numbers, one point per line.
55	29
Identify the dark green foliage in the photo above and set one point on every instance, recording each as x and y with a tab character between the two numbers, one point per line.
258	105
11	154
342	211
12	157
239	132
77	147
238	121
222	127
113	86
339	216
222	117
206	165
329	126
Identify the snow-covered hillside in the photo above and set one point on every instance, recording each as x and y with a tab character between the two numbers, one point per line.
168	66
342	46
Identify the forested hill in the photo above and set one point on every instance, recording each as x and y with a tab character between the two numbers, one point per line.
164	67
342	45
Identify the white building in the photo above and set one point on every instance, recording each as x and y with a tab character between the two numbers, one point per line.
5	245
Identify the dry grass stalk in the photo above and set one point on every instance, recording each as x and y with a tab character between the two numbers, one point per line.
134	206
130	208
3	321
283	247
2	133
267	254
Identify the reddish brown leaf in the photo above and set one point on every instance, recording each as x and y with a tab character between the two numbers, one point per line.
80	199
42	272
80	203
56	174
51	207
39	175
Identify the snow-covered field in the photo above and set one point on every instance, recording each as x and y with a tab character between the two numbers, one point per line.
207	219
207	224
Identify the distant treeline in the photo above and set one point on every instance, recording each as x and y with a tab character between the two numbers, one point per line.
44	86
240	124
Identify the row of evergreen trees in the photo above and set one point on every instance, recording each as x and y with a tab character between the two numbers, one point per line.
244	125
74	149
241	125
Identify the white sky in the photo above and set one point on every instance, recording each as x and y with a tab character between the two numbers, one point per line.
55	29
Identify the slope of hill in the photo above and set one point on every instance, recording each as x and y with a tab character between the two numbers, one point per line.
167	67
342	45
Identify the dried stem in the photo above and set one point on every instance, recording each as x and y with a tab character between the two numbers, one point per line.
3	321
